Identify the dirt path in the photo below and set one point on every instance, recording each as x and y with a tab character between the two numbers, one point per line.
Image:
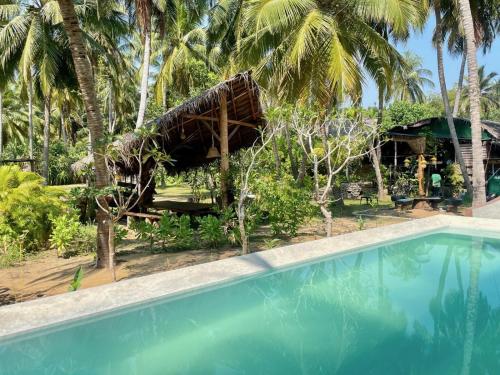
46	275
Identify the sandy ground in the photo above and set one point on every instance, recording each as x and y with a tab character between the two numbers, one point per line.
46	275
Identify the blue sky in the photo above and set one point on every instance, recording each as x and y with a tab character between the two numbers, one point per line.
420	43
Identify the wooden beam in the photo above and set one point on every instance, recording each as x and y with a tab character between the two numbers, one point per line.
251	103
215	119
233	132
209	127
216	108
224	151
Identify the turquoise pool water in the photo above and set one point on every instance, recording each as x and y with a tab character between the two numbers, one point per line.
429	305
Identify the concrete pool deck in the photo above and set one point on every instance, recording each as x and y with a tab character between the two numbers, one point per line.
48	312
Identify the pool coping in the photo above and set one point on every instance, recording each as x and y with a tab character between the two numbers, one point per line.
26	317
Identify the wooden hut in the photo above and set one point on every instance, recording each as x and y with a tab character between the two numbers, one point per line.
221	120
411	139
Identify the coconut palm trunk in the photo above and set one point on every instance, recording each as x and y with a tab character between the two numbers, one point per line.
479	195
1	123
446	102
375	152
144	78
94	119
30	116
460	85
46	137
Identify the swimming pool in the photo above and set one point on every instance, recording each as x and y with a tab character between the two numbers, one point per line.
430	304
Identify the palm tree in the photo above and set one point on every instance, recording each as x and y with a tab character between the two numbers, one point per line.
410	84
147	13
14	117
185	42
444	94
488	86
312	50
479	195
485	16
95	124
31	39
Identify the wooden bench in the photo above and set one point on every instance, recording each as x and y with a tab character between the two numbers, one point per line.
150	218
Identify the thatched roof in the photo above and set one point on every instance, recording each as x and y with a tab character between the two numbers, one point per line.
185	132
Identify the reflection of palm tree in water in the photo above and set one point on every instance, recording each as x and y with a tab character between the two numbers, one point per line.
472	303
436	304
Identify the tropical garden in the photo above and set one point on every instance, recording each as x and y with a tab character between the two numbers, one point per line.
76	76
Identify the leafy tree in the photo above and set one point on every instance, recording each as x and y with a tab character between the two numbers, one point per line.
403	113
26	205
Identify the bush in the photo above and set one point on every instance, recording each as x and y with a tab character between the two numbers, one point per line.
11	247
286	205
211	231
405	185
454	178
65	230
69	237
172	230
25	207
184	234
146	231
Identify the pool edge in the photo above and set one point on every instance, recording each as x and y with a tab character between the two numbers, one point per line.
26	317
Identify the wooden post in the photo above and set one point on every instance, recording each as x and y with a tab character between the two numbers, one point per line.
224	150
420	174
395	154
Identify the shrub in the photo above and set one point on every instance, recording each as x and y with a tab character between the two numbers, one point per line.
146	231
26	205
86	241
69	237
211	231
454	178
166	228
64	231
183	234
11	247
405	185
286	204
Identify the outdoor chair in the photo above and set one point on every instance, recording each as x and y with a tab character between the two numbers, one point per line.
368	197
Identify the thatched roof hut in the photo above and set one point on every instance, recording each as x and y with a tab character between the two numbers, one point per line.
188	131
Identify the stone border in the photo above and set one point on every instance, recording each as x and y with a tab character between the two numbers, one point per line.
26	317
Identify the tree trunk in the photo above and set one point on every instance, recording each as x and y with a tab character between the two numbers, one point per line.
46	137
328	219
110	109
375	152
64	134
30	116
277	160
378	173
224	151
446	102
145	77
1	124
241	224
302	170
460	84
479	195
95	124
293	162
